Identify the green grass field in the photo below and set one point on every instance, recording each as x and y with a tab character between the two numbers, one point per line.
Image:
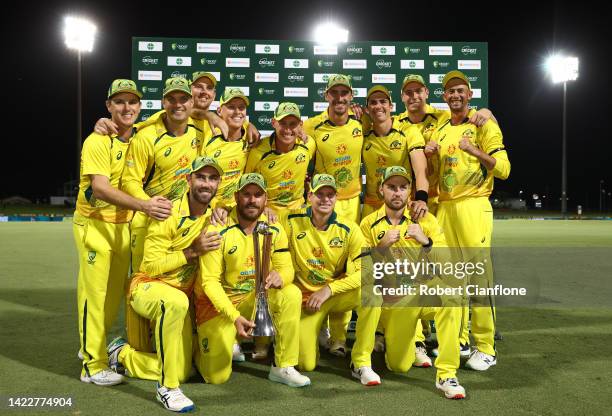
553	359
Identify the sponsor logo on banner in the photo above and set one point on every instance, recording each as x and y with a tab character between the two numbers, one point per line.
383	78
468	64
468	50
321	63
150	46
245	90
178	73
383	50
325	50
293	77
440	106
321	78
296	49
214	105
179	47
295	92
440	64
149	75
381	64
217	75
321	92
439	92
360	92
473	79
266	76
151	104
238	77
319	106
356	77
477	93
412	64
266	91
264	120
237	62
296	63
205	61
147	60
179	61
266	105
408	50
354	50
237	48
266	133
441	50
149	90
268	49
354	64
436	78
267	63
208	47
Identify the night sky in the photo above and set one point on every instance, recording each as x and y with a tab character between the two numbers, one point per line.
40	87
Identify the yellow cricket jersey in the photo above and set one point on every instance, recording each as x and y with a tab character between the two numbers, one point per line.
330	257
460	174
158	163
163	248
232	157
338	153
202	124
393	149
228	273
285	173
102	155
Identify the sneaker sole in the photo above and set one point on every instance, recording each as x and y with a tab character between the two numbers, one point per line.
89	380
457	396
368	384
421	365
283	381
479	369
183	410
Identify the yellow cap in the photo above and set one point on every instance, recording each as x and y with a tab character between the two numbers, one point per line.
231	93
199	74
378	88
322	179
456	74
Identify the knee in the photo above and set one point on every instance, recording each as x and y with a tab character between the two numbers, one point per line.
217	378
307	363
177	304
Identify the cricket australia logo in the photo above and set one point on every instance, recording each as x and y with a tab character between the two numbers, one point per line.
336	242
91	258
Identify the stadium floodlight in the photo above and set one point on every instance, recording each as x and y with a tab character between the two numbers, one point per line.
330	34
563	69
79	35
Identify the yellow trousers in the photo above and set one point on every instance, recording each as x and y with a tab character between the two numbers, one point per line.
138	233
468	223
169	308
217	336
104	258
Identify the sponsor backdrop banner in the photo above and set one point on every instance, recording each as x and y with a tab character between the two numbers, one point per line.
270	71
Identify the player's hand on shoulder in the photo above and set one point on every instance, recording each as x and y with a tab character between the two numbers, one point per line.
158	207
418	210
271	214
219	216
106	126
480	117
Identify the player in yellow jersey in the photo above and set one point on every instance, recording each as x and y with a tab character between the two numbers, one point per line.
161	290
225	295
390	144
469	159
231	152
160	157
101	231
391	227
283	159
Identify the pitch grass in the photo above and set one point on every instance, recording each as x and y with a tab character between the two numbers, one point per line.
552	361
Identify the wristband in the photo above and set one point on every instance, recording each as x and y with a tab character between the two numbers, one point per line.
429	244
421	196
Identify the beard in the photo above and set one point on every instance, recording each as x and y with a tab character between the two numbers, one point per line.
396	204
247	215
203	198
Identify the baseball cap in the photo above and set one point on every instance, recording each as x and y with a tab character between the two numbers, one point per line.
413	78
231	93
123	85
378	88
254	178
203	161
199	74
322	179
286	109
177	84
456	74
338	79
395	171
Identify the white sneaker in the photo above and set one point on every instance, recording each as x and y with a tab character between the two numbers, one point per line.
451	388
464	350
237	354
337	348
323	337
480	361
105	377
113	349
289	376
260	352
367	376
80	355
421	359
379	343
174	399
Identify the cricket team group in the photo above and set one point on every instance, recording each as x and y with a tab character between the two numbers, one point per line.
167	209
